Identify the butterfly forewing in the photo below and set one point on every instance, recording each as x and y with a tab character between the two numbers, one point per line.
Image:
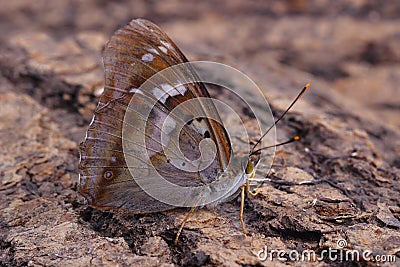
133	55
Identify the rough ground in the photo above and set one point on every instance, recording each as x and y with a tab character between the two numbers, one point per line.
50	76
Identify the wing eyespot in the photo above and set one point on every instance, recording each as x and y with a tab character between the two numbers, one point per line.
108	175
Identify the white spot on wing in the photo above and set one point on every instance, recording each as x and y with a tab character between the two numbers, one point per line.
153	50
163	49
166	91
147	57
99	91
160	94
135	90
166	44
181	89
113	159
140	22
169	89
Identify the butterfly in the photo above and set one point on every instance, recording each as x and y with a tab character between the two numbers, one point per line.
133	144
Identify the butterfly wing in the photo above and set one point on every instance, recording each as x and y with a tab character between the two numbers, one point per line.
133	55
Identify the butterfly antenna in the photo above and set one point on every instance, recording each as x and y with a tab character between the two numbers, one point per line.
291	140
276	122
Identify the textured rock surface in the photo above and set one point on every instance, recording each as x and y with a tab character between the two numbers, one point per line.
51	75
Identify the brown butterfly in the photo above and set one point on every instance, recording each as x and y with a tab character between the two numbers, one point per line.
133	55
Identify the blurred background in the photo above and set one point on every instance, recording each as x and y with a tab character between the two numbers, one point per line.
352	45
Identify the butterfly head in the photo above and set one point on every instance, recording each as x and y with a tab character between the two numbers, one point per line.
250	169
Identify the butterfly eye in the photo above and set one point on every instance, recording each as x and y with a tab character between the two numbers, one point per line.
249	167
108	175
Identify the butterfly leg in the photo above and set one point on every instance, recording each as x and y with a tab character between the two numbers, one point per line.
183	224
246	188
252	193
243	188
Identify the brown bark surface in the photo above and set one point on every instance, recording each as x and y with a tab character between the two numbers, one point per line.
51	75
